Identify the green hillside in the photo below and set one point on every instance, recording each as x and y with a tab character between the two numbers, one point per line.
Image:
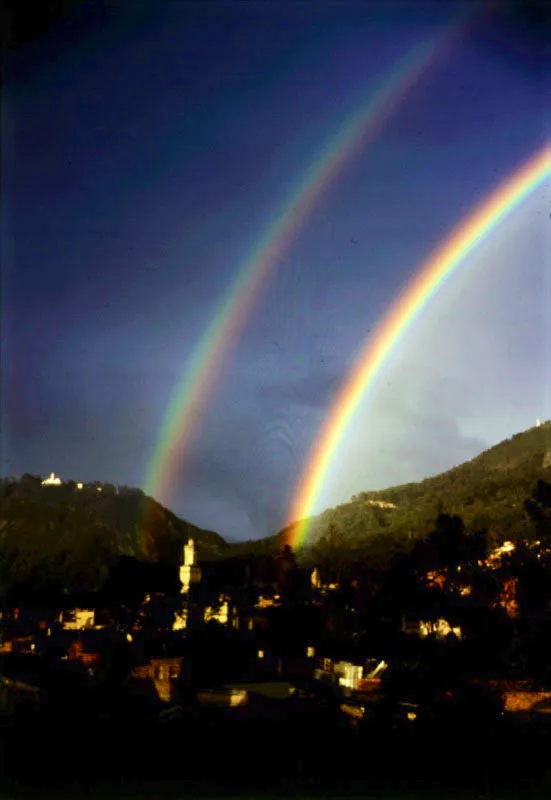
487	492
65	535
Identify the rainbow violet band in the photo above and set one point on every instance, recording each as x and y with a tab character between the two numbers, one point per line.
430	276
190	398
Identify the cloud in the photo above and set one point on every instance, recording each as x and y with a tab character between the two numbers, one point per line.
239	499
314	390
250	454
400	437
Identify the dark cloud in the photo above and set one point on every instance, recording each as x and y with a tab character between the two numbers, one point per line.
519	33
247	462
219	480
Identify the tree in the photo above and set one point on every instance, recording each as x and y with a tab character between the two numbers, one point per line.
538	510
286	572
331	552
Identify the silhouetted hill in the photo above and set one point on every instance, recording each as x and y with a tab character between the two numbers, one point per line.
487	492
67	535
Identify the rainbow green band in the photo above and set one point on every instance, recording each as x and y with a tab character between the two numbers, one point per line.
189	401
374	355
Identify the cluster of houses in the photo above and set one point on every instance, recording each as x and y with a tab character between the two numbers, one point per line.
158	608
153	610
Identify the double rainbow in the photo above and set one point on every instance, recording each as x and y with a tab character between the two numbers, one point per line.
191	395
429	278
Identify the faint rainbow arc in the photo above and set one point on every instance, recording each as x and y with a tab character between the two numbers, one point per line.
430	276
190	396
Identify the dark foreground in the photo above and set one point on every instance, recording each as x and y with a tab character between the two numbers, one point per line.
220	754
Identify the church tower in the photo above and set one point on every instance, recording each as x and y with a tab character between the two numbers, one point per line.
189	571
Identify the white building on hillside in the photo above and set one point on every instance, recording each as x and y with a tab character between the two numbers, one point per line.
52	480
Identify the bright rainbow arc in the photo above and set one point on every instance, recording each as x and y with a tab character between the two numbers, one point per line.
192	393
430	277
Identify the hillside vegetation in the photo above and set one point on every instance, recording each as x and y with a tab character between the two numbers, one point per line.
487	492
66	536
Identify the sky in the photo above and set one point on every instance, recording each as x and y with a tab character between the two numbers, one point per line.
146	149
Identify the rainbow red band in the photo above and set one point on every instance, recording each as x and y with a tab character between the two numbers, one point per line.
429	278
190	399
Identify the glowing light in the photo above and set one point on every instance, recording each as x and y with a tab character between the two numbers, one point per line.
428	280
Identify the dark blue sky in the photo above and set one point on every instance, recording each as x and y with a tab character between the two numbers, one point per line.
145	149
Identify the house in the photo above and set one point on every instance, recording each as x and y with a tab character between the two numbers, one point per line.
163	672
351	676
520	697
78	619
321	585
422	628
83	652
222	612
157	594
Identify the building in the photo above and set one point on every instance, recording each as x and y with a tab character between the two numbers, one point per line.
190	572
190	575
423	628
218	613
351	676
319	585
78	619
53	480
164	673
83	652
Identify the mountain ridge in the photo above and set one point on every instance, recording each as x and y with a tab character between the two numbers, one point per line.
69	532
487	492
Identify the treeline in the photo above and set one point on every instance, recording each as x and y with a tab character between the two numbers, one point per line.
488	493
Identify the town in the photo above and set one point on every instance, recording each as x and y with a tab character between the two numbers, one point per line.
275	519
194	670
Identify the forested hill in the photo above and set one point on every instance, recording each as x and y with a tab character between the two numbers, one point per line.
63	535
68	534
487	492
